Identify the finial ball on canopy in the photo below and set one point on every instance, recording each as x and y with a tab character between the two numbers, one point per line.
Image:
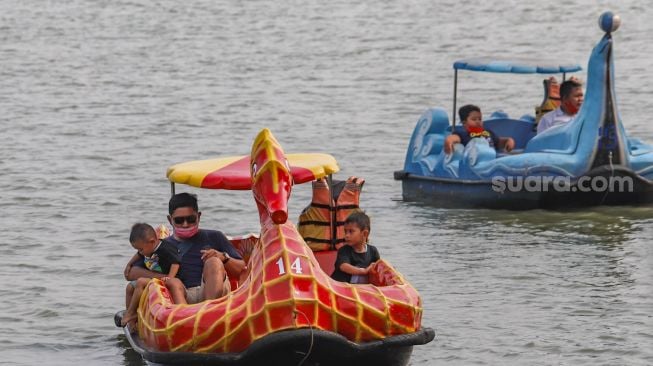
609	22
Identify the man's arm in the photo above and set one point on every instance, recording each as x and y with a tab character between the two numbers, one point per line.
235	267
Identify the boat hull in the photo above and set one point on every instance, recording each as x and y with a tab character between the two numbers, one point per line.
305	346
484	194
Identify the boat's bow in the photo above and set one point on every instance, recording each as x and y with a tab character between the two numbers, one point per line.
596	136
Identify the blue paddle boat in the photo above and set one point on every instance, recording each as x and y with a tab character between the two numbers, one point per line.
589	161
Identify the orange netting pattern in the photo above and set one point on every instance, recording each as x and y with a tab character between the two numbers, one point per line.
285	289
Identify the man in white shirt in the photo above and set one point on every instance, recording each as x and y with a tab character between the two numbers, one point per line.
571	98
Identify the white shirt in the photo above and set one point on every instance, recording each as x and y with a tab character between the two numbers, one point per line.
554	118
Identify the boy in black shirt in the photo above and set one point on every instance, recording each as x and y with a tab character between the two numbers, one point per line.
356	257
159	256
472	127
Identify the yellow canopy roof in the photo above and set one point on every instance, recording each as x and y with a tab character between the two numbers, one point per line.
234	173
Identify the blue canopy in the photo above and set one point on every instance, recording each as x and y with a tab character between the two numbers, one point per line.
515	66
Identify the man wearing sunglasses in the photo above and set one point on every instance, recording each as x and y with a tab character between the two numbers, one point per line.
207	257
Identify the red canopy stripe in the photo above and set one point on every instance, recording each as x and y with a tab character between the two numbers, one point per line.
234	176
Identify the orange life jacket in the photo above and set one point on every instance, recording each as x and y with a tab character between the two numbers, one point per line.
551	99
321	223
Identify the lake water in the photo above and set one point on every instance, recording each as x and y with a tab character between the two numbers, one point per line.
98	98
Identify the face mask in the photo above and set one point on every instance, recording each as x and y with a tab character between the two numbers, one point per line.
185	233
471	129
570	107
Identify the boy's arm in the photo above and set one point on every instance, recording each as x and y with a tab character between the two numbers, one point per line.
353	270
506	143
450	141
135	258
136	272
174	268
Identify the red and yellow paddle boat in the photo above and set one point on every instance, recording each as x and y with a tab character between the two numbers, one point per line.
287	311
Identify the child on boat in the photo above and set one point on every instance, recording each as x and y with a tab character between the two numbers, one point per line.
472	127
158	255
355	258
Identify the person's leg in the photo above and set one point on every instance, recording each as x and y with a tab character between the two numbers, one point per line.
214	275
130	315
226	289
129	292
177	290
195	295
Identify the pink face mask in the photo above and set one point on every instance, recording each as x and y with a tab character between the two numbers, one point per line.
185	233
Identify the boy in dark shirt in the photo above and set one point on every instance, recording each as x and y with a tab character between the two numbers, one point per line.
472	127
356	257
158	256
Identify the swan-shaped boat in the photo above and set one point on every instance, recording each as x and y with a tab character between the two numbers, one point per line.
287	310
589	161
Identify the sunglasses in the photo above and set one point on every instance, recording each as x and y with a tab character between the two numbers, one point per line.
179	220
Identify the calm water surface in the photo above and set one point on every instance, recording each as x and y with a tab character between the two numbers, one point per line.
98	98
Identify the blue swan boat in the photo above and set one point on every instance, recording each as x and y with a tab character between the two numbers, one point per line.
589	161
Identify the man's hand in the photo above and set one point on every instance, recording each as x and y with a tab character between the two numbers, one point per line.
210	253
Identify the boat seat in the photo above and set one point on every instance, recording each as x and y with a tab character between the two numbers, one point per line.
520	130
431	147
382	274
498	114
435	120
244	245
528	118
327	260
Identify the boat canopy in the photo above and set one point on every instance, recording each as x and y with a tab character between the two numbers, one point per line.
234	172
515	65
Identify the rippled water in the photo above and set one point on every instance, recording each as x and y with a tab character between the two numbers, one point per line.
98	98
